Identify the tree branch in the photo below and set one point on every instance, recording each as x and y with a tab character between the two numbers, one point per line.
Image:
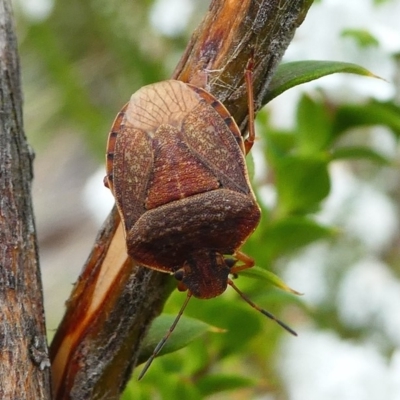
114	301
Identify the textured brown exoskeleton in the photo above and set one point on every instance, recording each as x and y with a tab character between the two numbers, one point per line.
176	167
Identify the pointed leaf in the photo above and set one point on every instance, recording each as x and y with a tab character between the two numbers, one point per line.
357	152
372	113
362	37
313	127
268	276
187	330
216	383
293	74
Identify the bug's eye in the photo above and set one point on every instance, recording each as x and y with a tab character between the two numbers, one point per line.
230	262
179	274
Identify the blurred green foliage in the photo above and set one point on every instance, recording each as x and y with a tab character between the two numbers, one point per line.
82	62
80	65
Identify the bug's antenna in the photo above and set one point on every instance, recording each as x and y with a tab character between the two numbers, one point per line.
261	310
162	342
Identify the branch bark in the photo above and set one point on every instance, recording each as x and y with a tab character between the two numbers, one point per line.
113	303
24	362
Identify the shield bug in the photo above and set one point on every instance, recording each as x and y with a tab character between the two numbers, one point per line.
175	164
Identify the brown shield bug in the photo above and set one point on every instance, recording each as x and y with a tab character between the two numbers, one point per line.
175	164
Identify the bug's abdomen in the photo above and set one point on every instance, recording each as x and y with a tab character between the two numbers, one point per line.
220	220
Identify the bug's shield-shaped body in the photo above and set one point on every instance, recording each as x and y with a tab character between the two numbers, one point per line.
177	170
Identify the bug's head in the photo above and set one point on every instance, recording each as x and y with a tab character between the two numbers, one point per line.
204	274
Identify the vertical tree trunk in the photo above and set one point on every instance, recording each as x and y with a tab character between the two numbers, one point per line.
24	362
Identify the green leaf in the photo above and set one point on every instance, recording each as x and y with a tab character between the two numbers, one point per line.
279	145
301	183
128	393
268	276
216	383
314	126
170	386
289	234
187	330
228	311
184	389
357	152
295	73
250	165
362	37
372	113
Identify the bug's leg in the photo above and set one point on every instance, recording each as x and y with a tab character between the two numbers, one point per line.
248	75
247	261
